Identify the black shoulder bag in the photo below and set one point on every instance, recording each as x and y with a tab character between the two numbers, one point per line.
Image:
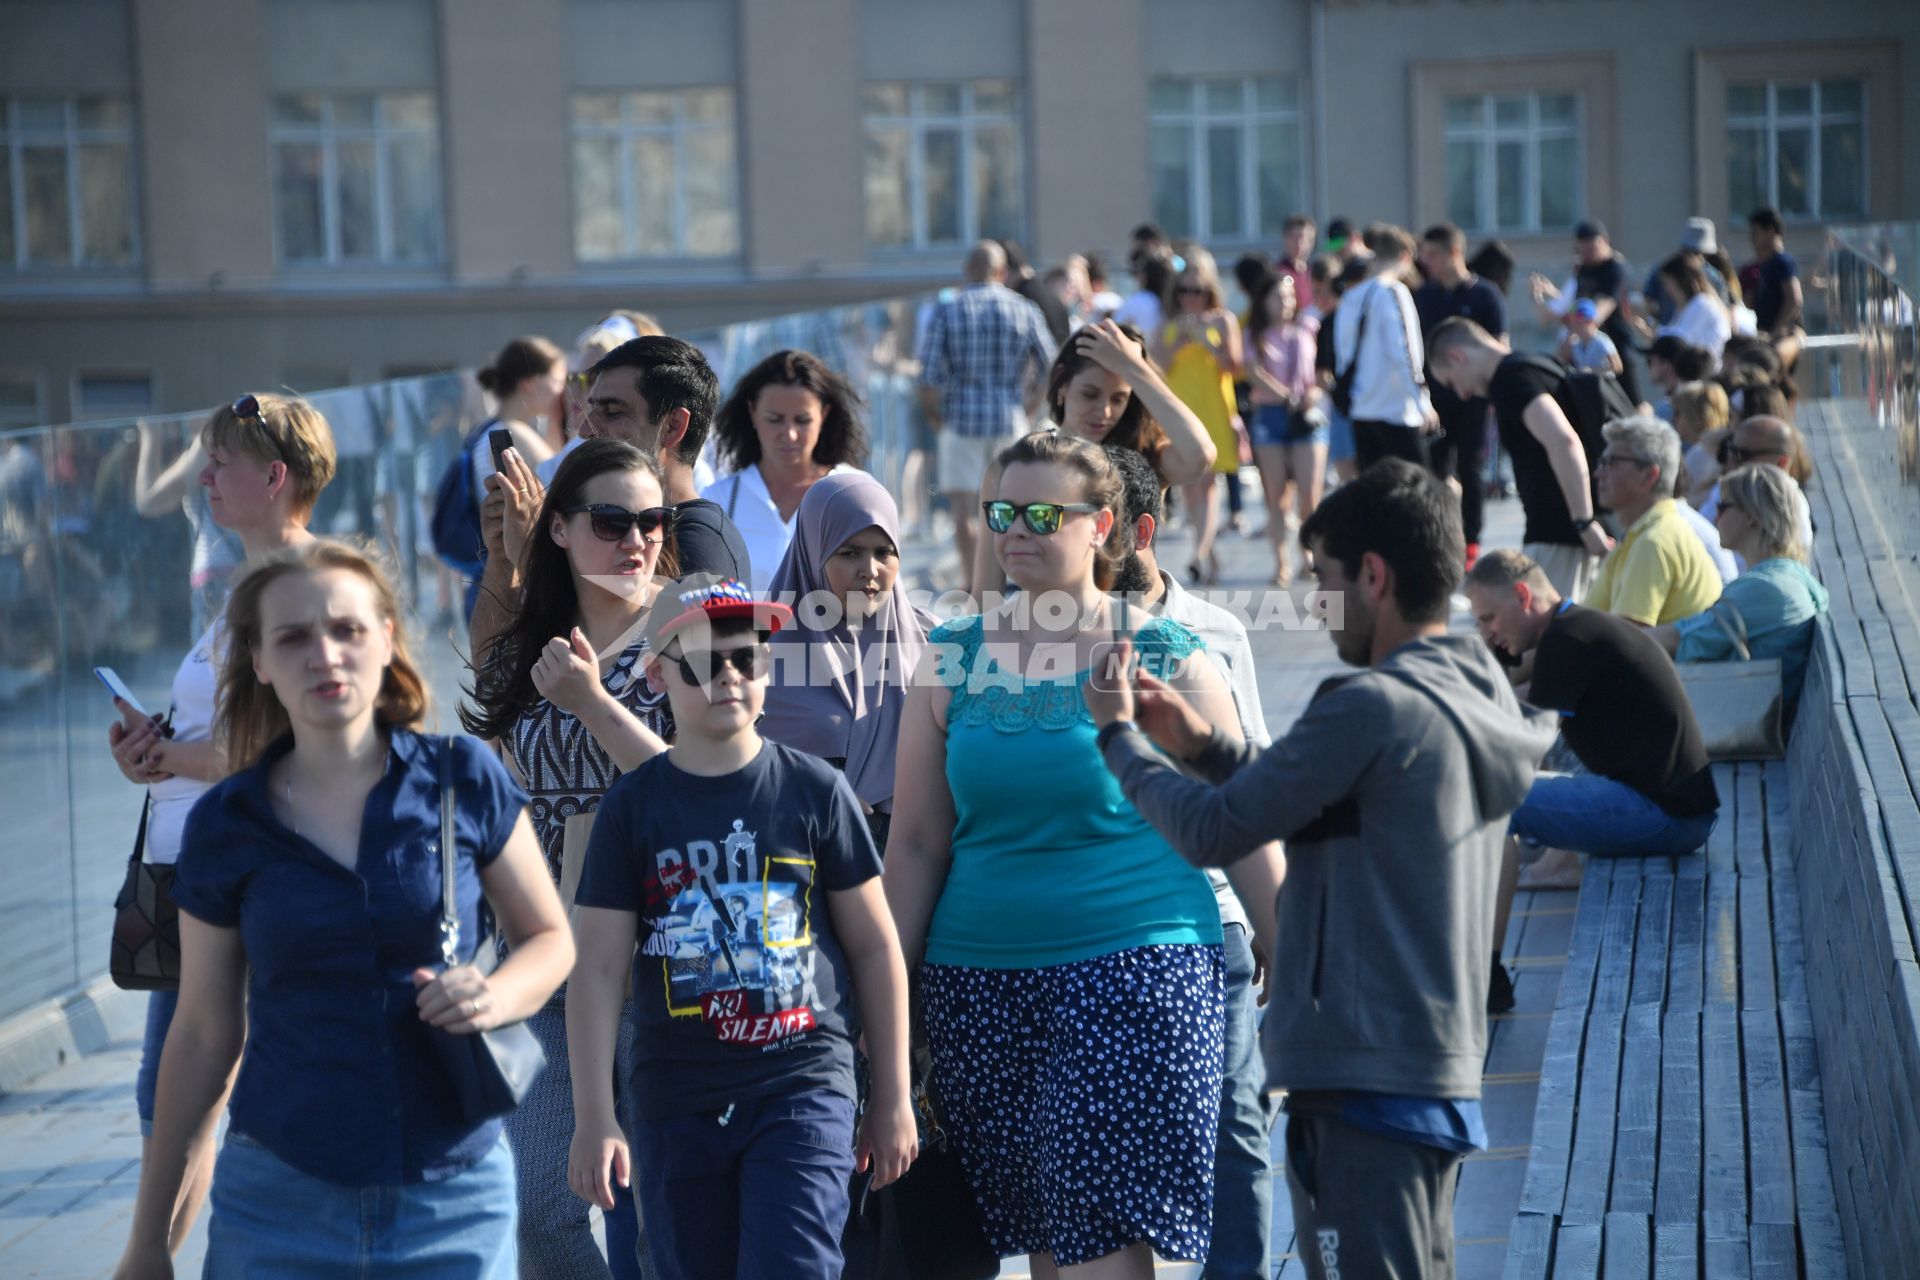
490	1071
146	924
1342	389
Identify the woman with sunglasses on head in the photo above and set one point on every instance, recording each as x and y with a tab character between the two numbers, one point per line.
310	889
267	459
789	423
1067	953
1105	389
1199	347
562	690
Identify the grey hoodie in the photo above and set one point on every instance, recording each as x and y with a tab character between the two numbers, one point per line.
1392	792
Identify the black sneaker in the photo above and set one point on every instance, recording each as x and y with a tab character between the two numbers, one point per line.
1500	990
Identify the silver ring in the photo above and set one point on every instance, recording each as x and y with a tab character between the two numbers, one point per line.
473	1007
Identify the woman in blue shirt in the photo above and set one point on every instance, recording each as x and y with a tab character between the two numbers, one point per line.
1776	600
1072	978
309	888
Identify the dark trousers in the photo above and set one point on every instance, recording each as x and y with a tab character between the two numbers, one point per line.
1367	1207
755	1192
1460	453
1373	441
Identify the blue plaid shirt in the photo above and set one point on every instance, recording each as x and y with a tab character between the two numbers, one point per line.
977	350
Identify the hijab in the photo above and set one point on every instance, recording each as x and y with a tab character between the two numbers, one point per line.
843	692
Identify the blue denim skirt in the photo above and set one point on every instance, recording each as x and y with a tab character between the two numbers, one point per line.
270	1219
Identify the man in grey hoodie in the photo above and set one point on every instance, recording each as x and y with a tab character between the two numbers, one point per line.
1392	792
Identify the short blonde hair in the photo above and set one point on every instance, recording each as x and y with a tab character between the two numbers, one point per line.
1764	494
288	430
1700	407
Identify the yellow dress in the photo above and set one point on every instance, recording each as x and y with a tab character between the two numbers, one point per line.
1196	376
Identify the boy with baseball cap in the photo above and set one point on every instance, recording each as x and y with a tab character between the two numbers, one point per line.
738	880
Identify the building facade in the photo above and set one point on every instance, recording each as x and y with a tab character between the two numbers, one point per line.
201	196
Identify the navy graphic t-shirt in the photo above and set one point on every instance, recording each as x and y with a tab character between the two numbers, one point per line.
740	989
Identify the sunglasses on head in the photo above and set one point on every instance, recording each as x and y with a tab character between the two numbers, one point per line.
610	523
247	407
1041	517
703	666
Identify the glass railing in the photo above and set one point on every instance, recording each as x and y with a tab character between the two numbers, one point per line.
87	580
1873	278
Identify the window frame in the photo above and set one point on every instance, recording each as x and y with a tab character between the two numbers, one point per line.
30	378
1489	134
328	137
917	123
1772	120
677	130
1197	117
71	137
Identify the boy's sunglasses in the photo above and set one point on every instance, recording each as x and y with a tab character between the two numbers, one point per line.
1041	517
610	523
703	666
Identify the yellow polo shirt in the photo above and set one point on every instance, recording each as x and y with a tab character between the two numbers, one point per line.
1659	572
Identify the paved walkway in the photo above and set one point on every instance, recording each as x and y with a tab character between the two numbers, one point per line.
70	1144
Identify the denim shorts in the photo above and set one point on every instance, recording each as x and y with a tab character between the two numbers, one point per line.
270	1219
160	1007
1277	424
1594	815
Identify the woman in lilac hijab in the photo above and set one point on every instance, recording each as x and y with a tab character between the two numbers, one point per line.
841	671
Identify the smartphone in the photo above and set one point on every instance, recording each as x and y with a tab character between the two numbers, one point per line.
118	688
499	440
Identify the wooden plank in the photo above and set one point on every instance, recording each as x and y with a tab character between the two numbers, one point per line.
1750	823
1629	1247
1529	1247
1686	954
1576	1253
1823	1246
1590	1174
1583	950
1769	1140
1636	1143
1779	801
1756	944
1720	845
1723	1128
1728	1251
1654	941
1723	942
1545	1189
1773	1252
1677	1189
1676	1251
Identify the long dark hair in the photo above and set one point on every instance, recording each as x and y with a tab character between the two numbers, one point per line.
1137	429
1259	318
503	680
842	438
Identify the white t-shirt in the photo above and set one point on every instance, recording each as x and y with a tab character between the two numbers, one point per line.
744	497
1141	310
1703	322
194	687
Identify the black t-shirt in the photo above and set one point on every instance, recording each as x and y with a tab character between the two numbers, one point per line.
1478	301
1622	709
1770	299
707	541
1052	310
740	989
1518	382
1606	279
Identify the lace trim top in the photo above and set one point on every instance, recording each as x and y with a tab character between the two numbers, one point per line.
987	694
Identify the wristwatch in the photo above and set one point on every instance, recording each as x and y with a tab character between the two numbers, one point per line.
1579	526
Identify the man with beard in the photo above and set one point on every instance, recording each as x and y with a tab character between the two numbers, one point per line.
1242	1172
1392	792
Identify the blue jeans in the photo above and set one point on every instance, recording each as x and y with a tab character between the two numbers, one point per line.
160	1007
1242	1173
1340	444
270	1219
1594	815
760	1196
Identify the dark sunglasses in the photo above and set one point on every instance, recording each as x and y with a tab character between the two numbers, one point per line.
703	666
1735	454
610	523
247	406
1041	517
1189	288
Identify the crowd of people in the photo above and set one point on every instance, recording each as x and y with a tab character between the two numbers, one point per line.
859	941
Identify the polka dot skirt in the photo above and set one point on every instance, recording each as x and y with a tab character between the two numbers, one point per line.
1084	1098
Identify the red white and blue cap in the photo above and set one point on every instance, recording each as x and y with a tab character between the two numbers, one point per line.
701	599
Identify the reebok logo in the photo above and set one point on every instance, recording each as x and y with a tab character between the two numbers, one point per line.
1329	1242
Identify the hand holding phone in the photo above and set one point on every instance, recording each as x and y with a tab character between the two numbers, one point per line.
118	688
499	440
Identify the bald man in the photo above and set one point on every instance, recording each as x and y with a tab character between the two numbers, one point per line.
983	358
1772	442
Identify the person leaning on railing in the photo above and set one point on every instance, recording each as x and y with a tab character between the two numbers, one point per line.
1776	601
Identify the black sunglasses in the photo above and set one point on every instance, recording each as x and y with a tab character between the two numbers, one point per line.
1736	454
703	666
610	523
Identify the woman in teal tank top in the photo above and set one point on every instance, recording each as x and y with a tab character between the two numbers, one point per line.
1070	959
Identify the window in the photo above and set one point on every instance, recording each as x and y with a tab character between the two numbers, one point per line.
356	178
1226	156
19	401
945	164
66	183
653	175
98	397
1513	161
1799	146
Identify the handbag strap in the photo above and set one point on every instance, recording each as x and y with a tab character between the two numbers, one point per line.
1734	627
140	836
1359	339
449	904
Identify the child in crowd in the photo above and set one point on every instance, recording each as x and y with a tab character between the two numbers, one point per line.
745	872
1585	347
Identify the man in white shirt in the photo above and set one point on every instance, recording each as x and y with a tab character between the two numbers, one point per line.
1378	353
